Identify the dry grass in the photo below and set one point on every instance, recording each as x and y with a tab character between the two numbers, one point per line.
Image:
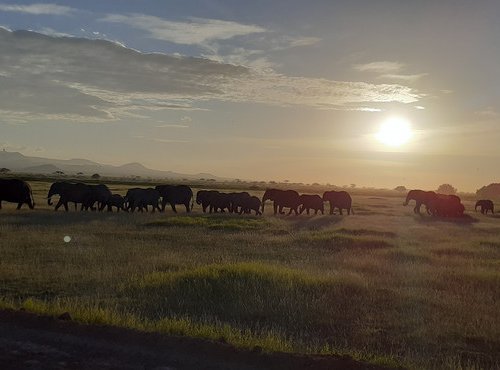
383	284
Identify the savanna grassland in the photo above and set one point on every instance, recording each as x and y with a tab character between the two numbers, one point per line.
383	285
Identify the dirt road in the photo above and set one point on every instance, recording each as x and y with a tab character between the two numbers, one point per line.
30	341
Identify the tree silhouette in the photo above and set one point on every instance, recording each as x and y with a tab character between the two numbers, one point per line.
4	170
96	176
400	188
446	189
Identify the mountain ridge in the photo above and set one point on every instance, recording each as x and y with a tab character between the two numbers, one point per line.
18	162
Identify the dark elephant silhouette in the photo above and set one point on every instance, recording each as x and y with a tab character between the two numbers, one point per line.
220	201
251	203
421	197
314	202
176	194
338	199
486	205
99	194
142	198
69	192
238	200
446	206
116	200
204	197
16	191
282	199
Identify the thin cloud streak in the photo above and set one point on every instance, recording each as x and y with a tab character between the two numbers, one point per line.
194	31
38	9
379	67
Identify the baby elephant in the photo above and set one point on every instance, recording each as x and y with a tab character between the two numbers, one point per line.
116	200
314	202
486	205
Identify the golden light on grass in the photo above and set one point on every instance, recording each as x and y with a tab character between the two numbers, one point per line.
394	132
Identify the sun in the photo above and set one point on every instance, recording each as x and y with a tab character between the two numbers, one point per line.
395	131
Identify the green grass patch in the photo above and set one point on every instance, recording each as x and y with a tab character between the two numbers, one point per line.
228	223
367	232
337	242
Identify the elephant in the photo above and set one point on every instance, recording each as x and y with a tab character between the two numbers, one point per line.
251	203
98	193
69	192
16	191
420	197
446	206
220	201
116	200
142	198
176	194
309	202
204	197
238	200
338	199
281	199
486	205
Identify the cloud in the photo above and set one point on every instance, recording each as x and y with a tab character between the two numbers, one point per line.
89	80
403	77
488	113
172	125
51	32
194	31
38	9
379	67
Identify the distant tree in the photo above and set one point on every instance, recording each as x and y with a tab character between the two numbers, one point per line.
353	186
446	189
59	173
400	188
79	173
489	191
95	176
4	170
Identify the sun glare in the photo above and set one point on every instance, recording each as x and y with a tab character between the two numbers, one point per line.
395	131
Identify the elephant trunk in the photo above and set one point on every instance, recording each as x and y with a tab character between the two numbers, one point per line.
408	198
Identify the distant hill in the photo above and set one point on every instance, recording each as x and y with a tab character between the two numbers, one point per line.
18	162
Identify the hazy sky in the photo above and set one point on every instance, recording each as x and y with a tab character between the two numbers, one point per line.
266	90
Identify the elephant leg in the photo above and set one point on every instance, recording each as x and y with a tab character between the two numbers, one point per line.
340	209
59	204
188	208
173	207
0	204
308	211
19	205
275	207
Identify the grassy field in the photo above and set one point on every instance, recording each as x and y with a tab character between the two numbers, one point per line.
383	285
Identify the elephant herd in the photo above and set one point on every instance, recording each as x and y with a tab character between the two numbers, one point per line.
443	205
99	197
